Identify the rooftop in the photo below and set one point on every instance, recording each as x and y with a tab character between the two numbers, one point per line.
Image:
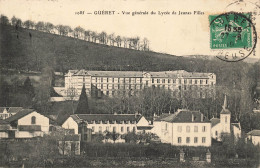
184	116
19	115
254	133
10	109
214	121
105	117
166	74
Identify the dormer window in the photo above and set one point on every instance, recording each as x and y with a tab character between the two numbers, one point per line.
33	120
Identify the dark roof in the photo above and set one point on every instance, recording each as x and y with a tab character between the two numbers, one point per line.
3	122
214	121
254	133
105	117
184	116
29	128
225	111
139	74
236	125
11	109
19	115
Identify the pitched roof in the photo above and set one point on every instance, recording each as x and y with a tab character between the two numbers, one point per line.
225	111
166	74
236	125
214	121
254	133
10	109
19	115
105	117
185	116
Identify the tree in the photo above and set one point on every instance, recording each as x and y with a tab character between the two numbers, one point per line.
48	27
82	107
78	32
28	24
103	37
14	21
4	20
118	41
28	90
39	26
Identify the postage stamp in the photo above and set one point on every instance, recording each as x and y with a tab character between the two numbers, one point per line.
232	35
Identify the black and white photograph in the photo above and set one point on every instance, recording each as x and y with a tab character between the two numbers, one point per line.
130	83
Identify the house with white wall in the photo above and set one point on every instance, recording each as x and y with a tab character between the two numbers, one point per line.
254	137
99	123
28	124
223	125
6	112
183	128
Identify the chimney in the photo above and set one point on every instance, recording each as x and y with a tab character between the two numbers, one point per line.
201	117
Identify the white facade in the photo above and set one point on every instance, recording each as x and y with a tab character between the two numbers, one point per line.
110	82
183	133
70	123
255	140
97	126
39	120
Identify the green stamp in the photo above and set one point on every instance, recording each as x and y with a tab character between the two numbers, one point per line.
230	31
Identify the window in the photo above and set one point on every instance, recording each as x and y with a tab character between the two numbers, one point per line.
101	86
226	119
206	82
101	79
187	128
152	80
118	86
163	81
190	81
195	139
185	81
129	80
216	133
118	80
196	129
114	129
174	81
158	80
179	128
96	80
179	81
122	129
33	120
169	80
203	139
166	126
187	139
100	129
179	139
112	79
107	86
204	129
201	82
196	81
107	128
93	129
107	80
140	80
113	87
128	129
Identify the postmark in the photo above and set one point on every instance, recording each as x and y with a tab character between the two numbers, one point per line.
233	36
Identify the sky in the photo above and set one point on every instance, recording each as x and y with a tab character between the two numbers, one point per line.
172	34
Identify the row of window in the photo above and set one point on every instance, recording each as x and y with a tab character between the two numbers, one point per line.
135	80
188	128
195	140
114	129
